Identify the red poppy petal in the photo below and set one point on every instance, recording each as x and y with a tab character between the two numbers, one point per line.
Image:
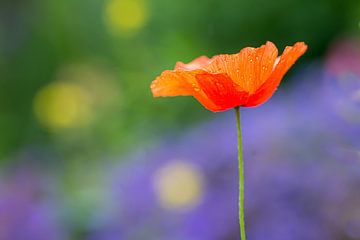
287	59
198	63
171	83
221	90
249	68
181	83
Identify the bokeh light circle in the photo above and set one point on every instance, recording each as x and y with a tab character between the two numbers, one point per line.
178	185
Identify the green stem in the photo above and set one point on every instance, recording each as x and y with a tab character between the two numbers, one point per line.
241	177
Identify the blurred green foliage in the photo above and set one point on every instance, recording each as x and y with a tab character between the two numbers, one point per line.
125	44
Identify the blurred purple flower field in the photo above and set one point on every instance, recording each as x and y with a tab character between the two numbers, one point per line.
28	208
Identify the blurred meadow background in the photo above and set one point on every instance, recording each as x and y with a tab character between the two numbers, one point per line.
87	153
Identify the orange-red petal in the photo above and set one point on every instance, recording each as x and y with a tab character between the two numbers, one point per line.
198	63
171	83
249	69
287	59
181	83
221	90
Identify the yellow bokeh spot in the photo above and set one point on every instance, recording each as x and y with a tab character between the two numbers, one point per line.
126	16
61	105
178	185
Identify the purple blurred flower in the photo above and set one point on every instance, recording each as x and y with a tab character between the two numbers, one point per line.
342	86
25	211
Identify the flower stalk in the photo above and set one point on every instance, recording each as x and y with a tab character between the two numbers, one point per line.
241	176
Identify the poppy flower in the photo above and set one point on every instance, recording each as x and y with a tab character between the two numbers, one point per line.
246	79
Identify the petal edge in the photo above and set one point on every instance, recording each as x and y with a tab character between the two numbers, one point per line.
267	89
